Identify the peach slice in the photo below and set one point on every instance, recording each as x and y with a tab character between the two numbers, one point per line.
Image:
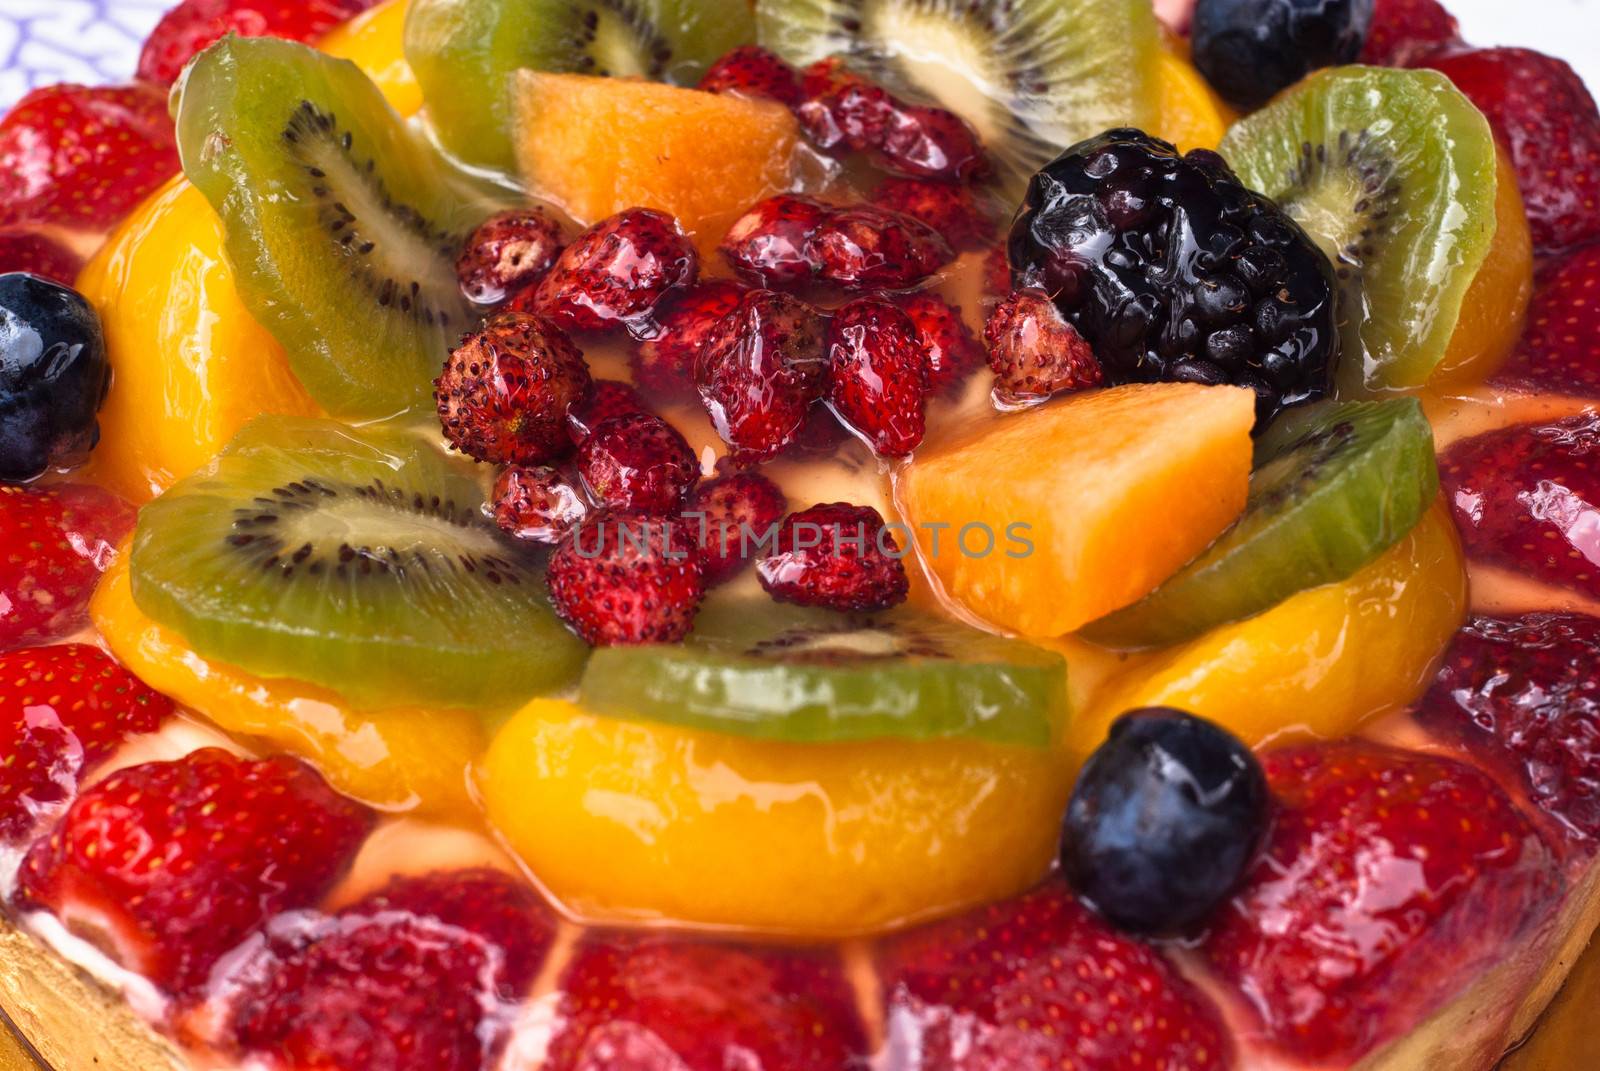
374	41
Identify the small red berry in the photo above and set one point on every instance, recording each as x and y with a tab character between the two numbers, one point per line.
877	375
538	505
997	274
837	556
55	541
729	516
616	272
953	211
953	352
864	247
760	372
930	143
606	398
1035	352
637	461
752	71
663	361
771	243
628	578
841	110
508	252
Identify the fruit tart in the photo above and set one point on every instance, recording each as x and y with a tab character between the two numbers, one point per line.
799	536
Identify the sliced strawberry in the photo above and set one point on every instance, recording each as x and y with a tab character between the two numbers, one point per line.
752	71
194	25
606	398
628	578
63	710
877	375
1560	352
29	251
952	352
1385	871
84	156
1527	498
760	372
837	556
54	543
416	977
1523	696
953	211
663	360
1403	31
637	461
1037	983
729	516
1540	109
663	1004
170	864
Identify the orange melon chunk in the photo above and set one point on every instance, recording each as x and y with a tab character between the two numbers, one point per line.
596	146
1116	489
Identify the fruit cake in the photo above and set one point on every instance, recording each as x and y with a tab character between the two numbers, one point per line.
799	535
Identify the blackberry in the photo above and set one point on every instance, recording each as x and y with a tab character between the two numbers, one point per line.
1173	270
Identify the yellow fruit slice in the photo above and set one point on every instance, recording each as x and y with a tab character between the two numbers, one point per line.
636	821
1113	489
397	760
1317	664
191	366
373	41
1191	115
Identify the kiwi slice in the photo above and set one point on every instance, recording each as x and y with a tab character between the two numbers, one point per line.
341	226
1032	76
360	560
1393	172
464	53
1335	485
755	668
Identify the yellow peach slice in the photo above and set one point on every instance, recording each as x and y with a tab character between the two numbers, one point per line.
374	41
1190	114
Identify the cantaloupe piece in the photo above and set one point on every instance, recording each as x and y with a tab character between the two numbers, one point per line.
1117	489
596	146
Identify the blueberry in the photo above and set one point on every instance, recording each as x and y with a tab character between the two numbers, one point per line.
1250	49
53	376
1163	821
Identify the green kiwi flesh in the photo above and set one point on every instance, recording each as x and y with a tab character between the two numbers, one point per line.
464	53
1033	77
754	668
1393	172
1335	485
342	227
360	560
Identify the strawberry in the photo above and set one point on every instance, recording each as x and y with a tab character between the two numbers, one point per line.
663	358
1034	352
1037	983
952	352
36	254
752	71
729	516
1560	351
1525	499
538	504
877	375
1403	31
930	143
627	578
761	370
771	243
1384	871
837	556
508	252
416	977
83	156
171	864
615	273
1540	109
194	25
839	110
637	461
997	274
63	710
505	390
953	211
1522	694
864	247
54	543
638	1003
606	398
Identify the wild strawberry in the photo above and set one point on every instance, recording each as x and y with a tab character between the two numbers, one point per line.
771	243
1521	693
728	516
507	253
1041	982
952	352
1540	109
864	247
953	211
1403	31
537	504
34	253
663	360
647	1003
416	977
1560	351
628	578
837	556
1525	499
171	864
760	372
1384	871
63	710
841	110
55	542
504	393
997	274
606	398
752	71
194	25
637	461
877	375
84	156
1034	352
616	272
821	436
930	143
